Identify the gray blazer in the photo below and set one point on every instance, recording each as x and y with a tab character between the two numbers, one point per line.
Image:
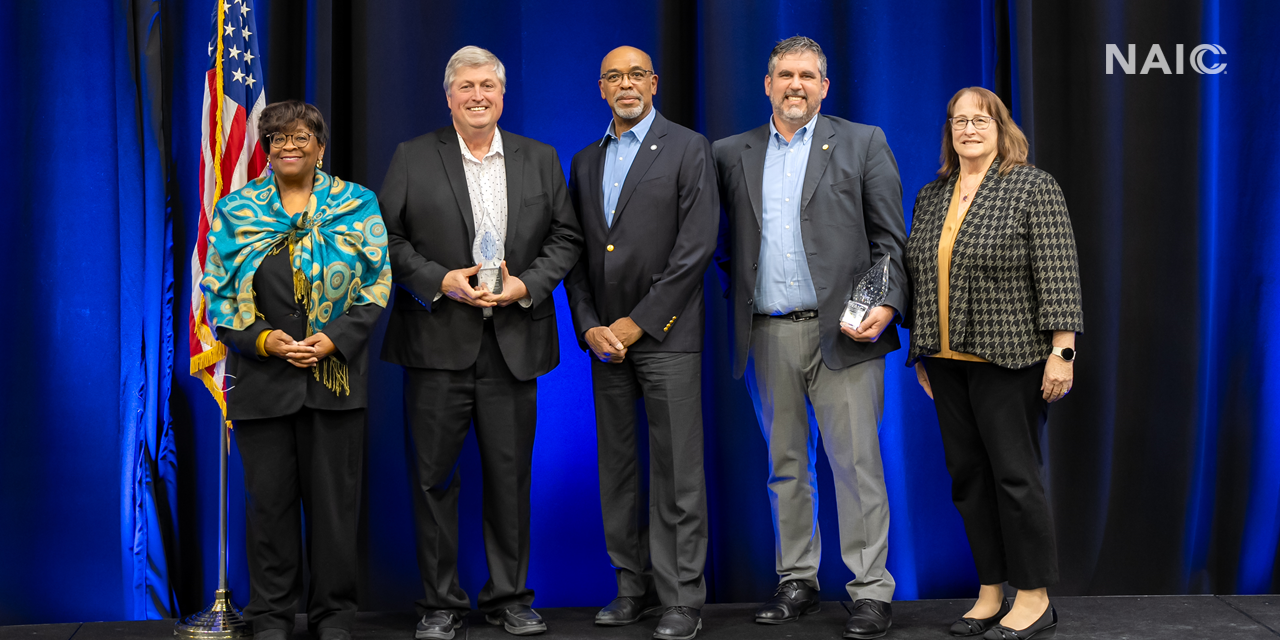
1014	274
850	216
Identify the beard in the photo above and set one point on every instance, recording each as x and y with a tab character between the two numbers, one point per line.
792	112
628	113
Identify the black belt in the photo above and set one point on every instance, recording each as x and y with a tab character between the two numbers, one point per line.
795	316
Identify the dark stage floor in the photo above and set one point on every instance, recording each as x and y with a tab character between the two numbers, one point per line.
1114	618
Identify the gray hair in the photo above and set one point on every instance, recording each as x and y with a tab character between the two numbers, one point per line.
798	44
471	56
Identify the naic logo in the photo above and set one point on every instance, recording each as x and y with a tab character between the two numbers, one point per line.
1156	59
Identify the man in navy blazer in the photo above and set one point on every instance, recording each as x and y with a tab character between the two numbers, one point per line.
812	201
646	198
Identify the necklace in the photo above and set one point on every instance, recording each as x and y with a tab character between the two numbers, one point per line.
964	197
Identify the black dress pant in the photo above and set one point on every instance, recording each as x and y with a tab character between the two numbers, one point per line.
307	463
991	419
440	407
663	528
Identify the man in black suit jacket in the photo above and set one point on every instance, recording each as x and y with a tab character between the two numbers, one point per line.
812	201
646	198
471	354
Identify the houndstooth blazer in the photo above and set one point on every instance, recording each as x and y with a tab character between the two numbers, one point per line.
1014	274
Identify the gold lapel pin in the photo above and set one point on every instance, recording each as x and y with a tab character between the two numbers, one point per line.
825	147
653	147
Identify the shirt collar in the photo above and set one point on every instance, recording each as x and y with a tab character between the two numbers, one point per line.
805	132
640	130
495	147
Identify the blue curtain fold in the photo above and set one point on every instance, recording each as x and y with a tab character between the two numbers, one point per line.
148	458
89	466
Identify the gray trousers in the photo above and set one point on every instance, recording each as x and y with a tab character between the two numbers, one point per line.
786	369
656	537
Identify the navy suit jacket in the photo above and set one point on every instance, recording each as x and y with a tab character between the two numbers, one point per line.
649	265
850	216
430	226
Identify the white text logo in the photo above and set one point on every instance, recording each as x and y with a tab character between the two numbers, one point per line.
1156	60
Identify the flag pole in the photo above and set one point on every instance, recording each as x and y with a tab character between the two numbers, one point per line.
220	620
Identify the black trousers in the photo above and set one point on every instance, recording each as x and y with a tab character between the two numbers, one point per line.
991	419
656	535
310	462
440	407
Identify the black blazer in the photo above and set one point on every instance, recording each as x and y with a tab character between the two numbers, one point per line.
271	387
850	216
649	265
427	209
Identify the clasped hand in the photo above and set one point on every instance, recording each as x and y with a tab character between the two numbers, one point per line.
609	344
304	354
457	285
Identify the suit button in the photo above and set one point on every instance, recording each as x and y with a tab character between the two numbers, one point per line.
751	301
754	266
609	248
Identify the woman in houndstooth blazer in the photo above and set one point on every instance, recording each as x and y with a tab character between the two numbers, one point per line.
992	260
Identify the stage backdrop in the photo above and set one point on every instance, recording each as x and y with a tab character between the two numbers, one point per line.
1161	463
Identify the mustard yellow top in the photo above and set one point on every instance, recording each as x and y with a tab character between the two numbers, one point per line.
950	229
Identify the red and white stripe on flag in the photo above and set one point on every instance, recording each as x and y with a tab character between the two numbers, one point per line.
231	154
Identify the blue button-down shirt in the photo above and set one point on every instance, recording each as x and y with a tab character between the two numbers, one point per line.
783	283
619	154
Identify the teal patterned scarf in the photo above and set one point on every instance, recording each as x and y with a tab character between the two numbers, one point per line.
337	247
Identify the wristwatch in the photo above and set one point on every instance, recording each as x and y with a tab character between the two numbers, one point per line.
1066	353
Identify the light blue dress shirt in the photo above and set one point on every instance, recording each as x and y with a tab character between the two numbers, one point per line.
783	283
619	154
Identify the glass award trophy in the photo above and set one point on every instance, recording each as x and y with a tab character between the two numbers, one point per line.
489	252
869	294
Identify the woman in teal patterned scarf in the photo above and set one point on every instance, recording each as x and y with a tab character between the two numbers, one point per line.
296	277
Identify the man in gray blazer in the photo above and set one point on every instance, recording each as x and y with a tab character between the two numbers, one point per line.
646	199
812	201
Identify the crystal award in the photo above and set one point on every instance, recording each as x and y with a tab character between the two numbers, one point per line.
489	253
869	294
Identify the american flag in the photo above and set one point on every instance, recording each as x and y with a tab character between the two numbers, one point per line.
229	158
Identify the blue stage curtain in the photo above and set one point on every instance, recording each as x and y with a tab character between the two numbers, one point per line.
1161	462
89	465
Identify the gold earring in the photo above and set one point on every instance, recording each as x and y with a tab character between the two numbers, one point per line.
320	164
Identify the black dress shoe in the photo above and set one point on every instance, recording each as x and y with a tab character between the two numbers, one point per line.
625	610
965	627
870	619
679	623
334	633
790	600
1041	629
438	625
518	620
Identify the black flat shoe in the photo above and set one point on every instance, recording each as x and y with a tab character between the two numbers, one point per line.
965	627
679	623
1041	629
870	619
625	610
790	600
